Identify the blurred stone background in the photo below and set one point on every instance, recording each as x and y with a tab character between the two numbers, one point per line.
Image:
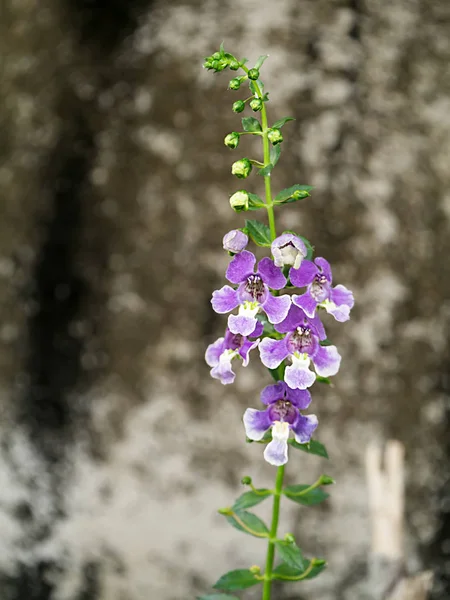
116	446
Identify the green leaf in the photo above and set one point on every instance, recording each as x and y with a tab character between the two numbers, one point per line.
285	570
251	124
248	499
278	373
275	152
253	87
313	447
260	61
286	194
265	171
240	579
217	597
278	124
311	498
250	520
291	555
326	380
259	232
255	202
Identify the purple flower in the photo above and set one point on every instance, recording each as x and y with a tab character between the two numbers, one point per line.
252	293
235	241
283	415
301	345
220	354
288	250
335	300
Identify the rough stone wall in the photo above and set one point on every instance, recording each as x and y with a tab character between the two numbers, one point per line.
116	446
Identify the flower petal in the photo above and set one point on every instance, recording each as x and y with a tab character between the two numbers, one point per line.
225	299
213	352
272	352
271	275
298	375
301	399
317	326
276	452
272	393
243	324
306	302
241	266
327	361
325	266
223	370
293	319
341	301
277	307
256	423
303	276
244	351
304	427
258	330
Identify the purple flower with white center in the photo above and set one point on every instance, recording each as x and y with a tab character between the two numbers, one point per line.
252	293
317	276
235	241
288	250
220	354
301	345
282	415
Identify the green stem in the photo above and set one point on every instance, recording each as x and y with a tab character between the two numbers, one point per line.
273	534
266	150
280	472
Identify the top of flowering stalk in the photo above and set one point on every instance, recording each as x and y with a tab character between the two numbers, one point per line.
220	60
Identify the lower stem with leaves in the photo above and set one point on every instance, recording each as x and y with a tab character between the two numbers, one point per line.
273	534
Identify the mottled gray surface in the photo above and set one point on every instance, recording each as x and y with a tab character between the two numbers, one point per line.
116	446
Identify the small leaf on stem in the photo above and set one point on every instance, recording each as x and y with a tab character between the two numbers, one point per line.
240	579
259	232
251	124
248	499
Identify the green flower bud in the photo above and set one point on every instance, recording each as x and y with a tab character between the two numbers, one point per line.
239	201
326	480
234	65
253	74
255	570
217	56
275	136
235	84
318	562
238	106
289	538
241	168
256	104
232	140
225	511
300	194
246	480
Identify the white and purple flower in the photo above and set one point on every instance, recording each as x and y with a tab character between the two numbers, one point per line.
288	250
282	415
252	293
235	241
220	354
317	277
302	346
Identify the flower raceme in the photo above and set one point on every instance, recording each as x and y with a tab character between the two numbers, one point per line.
220	354
282	415
253	293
